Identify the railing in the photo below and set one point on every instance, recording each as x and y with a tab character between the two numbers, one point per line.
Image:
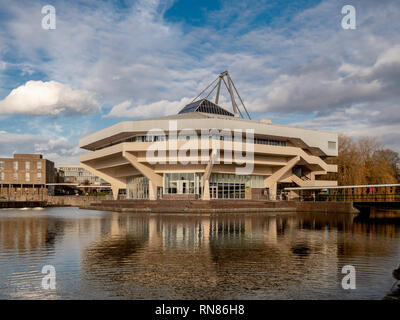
376	197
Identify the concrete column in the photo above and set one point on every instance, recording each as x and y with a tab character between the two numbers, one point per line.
152	190
206	190
115	191
206	175
272	191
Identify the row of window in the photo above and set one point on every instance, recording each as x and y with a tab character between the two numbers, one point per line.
27	177
72	169
270	142
27	165
164	138
183	137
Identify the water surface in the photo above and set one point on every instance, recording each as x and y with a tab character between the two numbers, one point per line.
106	255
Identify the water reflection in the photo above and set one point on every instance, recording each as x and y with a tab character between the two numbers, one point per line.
131	256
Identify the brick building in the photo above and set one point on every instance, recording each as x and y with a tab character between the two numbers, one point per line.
24	177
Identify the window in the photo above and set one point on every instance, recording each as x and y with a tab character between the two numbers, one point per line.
27	165
39	177
15	165
39	165
1	165
27	176
331	145
15	176
1	176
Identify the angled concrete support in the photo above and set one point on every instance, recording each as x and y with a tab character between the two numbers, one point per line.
115	183
206	176
272	181
115	191
155	180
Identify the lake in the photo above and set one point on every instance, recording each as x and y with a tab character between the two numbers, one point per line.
109	255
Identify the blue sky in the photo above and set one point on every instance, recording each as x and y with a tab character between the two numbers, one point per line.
108	62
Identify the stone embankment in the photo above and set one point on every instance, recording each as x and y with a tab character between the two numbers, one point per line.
219	206
184	206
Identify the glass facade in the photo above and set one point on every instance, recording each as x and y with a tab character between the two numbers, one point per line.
231	186
137	188
76	174
222	186
183	183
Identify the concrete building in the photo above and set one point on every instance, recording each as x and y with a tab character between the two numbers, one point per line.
77	174
25	176
198	154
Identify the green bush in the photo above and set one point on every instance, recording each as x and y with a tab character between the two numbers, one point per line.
98	194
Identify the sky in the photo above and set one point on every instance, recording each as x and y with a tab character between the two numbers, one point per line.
112	61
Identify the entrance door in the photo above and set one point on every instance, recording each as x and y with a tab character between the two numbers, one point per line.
213	192
183	186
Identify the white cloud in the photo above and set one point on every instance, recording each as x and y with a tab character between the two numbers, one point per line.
323	86
302	64
55	148
47	98
163	107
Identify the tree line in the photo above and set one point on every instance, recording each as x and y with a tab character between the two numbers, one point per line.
364	161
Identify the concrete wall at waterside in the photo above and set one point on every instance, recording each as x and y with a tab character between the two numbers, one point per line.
74	201
331	207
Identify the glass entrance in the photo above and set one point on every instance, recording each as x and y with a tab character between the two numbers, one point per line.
182	183
213	191
228	190
183	186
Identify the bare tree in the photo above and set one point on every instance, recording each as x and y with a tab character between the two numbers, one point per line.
364	161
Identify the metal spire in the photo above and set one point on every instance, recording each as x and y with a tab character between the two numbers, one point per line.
230	87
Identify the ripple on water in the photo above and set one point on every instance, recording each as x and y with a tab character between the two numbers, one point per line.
100	255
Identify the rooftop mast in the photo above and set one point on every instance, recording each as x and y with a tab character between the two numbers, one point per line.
230	86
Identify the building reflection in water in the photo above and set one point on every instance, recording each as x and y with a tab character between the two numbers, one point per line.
285	256
114	255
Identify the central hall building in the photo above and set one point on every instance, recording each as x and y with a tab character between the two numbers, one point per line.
196	154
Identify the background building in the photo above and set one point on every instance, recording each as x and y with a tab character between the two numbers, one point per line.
77	174
24	177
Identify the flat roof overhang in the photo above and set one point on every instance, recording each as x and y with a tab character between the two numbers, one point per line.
312	139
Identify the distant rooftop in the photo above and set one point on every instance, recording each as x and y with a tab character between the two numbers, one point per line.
27	155
205	106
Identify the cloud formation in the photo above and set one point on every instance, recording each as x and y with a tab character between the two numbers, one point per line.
47	98
57	149
324	85
287	62
159	108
